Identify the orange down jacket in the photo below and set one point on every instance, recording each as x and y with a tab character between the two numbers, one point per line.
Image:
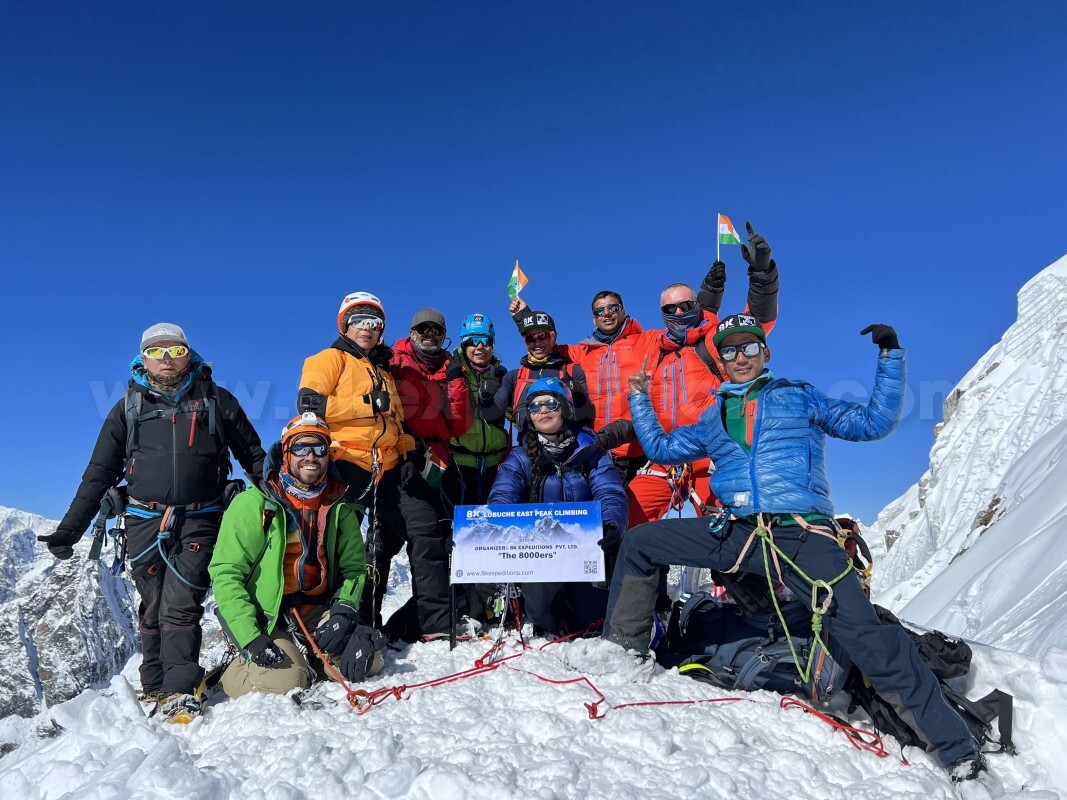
341	379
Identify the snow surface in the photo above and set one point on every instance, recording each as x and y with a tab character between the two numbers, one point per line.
507	734
975	547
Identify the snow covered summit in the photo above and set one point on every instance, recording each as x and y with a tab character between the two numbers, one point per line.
973	548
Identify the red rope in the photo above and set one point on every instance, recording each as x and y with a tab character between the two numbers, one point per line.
363	701
592	626
350	694
858	737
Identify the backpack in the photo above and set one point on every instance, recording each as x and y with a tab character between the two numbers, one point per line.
723	645
135	415
947	658
727	647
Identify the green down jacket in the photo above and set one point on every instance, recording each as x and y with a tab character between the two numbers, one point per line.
246	568
483	439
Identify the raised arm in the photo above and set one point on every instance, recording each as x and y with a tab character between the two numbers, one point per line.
881	415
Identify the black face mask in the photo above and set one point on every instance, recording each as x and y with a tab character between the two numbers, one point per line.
678	324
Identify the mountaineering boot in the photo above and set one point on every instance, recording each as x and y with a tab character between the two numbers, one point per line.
150	701
972	779
181	709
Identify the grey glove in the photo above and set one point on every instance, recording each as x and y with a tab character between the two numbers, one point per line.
334	632
359	652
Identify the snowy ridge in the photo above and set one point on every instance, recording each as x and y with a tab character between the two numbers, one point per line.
971	547
64	625
506	734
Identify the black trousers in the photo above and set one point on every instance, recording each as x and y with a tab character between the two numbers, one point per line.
884	653
468	486
413	515
170	610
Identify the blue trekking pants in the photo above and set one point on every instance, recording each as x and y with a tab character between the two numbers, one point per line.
883	653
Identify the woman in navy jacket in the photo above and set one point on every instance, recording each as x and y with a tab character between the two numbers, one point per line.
561	462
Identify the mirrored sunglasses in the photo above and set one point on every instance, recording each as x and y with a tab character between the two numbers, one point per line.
174	351
301	449
548	404
536	338
613	308
478	340
672	308
750	349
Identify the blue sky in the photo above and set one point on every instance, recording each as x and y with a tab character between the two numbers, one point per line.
238	168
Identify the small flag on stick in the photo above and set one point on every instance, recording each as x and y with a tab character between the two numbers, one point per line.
727	234
517	282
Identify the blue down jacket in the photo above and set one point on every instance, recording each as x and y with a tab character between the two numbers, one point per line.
588	475
786	471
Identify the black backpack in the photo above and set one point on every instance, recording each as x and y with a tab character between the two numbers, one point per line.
947	658
729	647
742	647
204	390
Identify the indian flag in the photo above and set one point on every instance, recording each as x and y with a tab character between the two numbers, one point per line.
517	282
727	234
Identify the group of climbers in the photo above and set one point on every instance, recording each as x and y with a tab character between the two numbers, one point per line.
641	421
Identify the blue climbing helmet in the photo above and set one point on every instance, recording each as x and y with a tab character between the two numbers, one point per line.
555	387
477	325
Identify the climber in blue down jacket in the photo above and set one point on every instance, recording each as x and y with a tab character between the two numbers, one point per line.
766	437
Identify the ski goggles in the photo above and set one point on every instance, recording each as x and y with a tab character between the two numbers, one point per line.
548	404
174	351
301	449
750	349
478	340
540	337
613	308
683	307
367	322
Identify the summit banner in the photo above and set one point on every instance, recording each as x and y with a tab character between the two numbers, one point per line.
531	543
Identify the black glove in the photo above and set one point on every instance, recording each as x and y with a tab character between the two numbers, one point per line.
408	470
263	652
379	400
490	386
759	257
611	541
333	632
359	652
61	543
454	369
615	434
710	294
883	336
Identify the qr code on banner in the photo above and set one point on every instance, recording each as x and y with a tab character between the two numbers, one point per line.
591	567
